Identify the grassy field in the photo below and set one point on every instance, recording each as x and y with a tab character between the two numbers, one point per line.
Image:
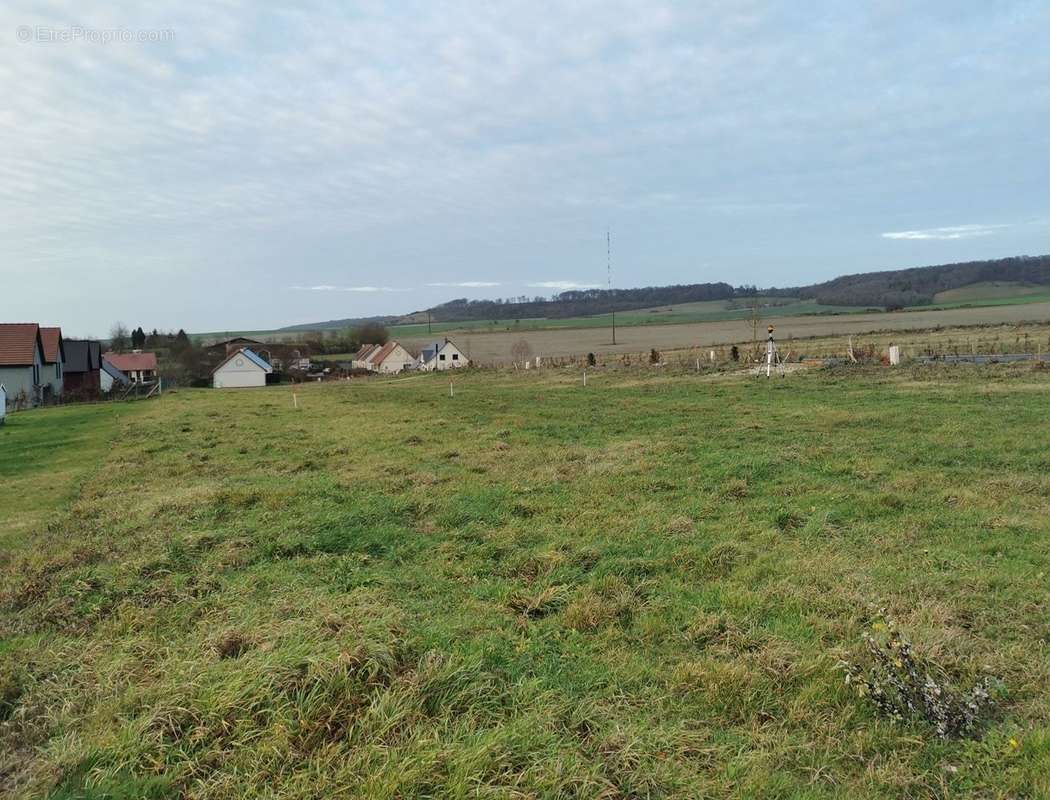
495	348
641	588
707	311
988	295
998	291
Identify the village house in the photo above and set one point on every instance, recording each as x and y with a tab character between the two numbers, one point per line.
362	356
54	359
109	376
21	363
81	372
236	343
391	358
138	366
387	359
241	369
441	356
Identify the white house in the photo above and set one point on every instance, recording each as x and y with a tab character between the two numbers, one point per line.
241	369
442	355
387	359
362	358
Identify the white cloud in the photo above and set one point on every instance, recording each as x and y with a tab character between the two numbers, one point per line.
951	232
563	286
469	284
329	288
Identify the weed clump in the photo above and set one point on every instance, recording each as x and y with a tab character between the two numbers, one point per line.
903	686
232	644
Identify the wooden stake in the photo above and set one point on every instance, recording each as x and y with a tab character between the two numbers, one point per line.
451	391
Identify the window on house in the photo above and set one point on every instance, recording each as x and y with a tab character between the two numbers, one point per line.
441	357
455	356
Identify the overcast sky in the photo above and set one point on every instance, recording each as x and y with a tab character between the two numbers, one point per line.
240	165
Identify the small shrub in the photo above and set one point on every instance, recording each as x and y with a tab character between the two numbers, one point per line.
901	686
734	353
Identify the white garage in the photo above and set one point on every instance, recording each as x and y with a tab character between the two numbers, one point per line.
242	369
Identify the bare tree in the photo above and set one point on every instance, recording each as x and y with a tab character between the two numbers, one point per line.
119	337
521	351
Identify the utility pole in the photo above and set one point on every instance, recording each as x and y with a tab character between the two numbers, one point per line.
429	332
608	268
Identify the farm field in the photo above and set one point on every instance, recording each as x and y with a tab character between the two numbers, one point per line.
706	311
987	296
641	588
1010	291
494	348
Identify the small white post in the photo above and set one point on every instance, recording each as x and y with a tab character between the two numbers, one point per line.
451	391
698	365
295	400
585	377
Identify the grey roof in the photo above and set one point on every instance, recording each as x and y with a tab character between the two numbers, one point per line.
115	373
82	355
257	359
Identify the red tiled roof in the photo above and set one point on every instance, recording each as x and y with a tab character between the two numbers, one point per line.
17	341
51	338
363	353
129	362
382	353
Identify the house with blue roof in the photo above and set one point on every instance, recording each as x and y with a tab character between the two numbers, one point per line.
241	369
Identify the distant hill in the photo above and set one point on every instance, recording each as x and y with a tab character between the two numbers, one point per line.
342	324
891	289
918	286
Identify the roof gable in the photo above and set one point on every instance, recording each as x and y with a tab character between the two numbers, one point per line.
365	352
382	353
82	355
52	341
252	357
19	344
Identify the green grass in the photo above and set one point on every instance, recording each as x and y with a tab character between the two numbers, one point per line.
993	290
637	589
45	454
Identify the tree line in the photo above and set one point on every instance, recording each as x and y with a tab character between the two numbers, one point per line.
917	286
579	302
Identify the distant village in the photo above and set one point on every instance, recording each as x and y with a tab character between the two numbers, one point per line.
39	366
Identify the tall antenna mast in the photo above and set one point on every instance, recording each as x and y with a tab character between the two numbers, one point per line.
608	272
